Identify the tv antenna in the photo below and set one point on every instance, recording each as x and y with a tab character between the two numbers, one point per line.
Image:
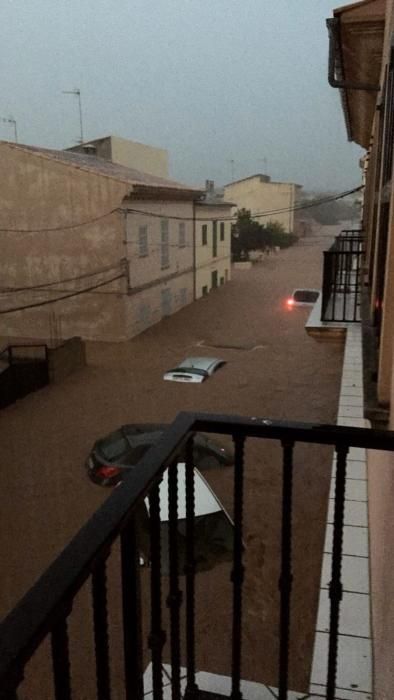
11	120
232	165
77	93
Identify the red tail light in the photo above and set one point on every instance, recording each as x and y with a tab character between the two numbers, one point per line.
290	301
108	472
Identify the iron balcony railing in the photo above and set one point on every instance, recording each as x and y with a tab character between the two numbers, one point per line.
46	608
342	278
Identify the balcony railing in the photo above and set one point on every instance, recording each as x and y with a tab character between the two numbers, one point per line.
342	278
46	608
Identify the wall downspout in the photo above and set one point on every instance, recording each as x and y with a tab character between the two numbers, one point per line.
194	253
333	26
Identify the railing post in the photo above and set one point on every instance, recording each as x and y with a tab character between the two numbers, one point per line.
131	603
9	686
174	599
190	570
99	594
157	636
237	575
335	587
286	577
61	660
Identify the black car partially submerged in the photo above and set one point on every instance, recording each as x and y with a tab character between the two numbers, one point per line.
117	453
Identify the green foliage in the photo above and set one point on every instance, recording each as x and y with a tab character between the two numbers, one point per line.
248	235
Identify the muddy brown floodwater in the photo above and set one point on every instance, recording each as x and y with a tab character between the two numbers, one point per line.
274	370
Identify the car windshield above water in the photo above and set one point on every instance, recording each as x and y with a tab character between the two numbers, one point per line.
194	369
303	297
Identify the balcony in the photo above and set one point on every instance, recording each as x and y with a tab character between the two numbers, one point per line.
153	637
340	301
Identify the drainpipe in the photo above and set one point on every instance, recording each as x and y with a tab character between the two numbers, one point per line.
333	26
194	253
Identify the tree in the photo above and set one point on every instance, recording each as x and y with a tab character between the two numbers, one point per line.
247	235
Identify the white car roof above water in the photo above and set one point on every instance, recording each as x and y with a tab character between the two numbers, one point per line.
205	500
194	369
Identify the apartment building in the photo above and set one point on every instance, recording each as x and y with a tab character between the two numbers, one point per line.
101	249
258	193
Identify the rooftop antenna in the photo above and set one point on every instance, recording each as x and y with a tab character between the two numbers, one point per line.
232	164
12	121
77	92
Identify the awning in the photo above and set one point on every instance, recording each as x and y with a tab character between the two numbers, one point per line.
356	46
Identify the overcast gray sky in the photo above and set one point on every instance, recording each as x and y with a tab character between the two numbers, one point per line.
210	80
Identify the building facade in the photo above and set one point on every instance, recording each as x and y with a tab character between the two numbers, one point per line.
212	242
259	194
131	154
90	247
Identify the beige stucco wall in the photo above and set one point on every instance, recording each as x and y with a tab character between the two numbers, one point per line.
145	308
149	159
206	263
147	278
37	192
257	196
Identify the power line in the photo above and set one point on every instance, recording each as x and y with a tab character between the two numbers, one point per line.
173	217
6	290
260	215
65	227
65	296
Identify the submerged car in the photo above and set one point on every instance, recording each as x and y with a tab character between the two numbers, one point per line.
117	453
303	297
213	527
194	369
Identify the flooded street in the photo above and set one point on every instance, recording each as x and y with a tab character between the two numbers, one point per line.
273	370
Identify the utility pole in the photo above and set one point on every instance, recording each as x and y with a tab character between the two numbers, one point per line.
77	92
12	121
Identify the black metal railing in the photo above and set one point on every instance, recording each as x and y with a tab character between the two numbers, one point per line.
342	278
46	608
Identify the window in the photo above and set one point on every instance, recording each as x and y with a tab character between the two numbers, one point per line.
204	231
166	302
204	290
214	279
182	235
144	314
165	244
222	231
214	239
183	296
143	241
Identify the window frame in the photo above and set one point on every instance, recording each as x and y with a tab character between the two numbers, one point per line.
165	244
143	248
182	235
